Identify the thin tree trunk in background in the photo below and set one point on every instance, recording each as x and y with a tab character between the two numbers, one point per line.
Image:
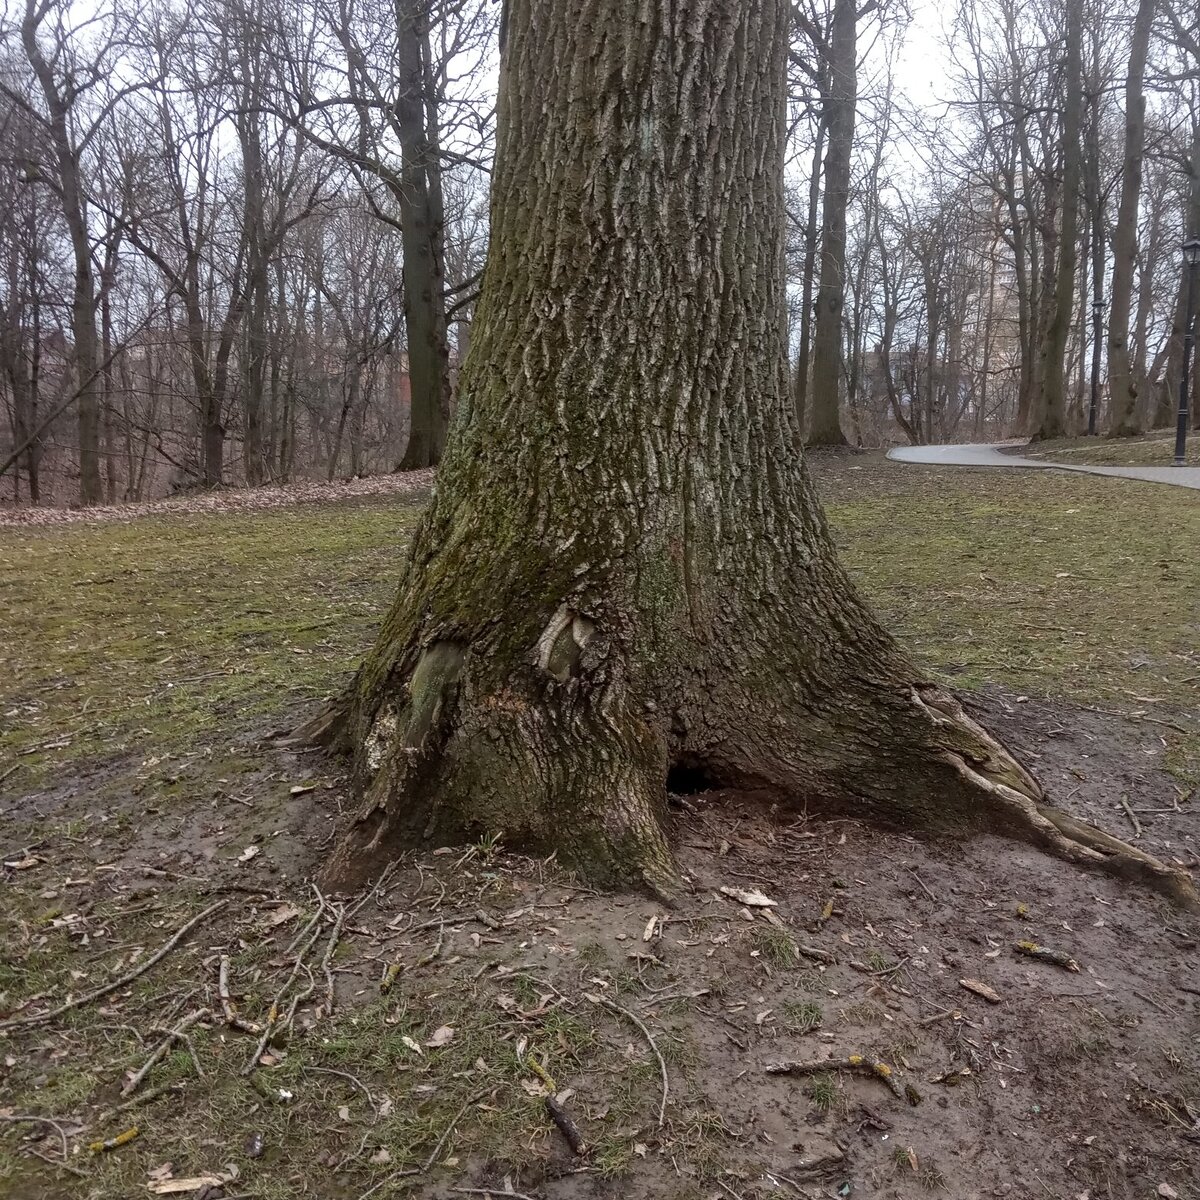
424	285
86	351
1166	406
811	236
1095	203
825	426
1053	416
1122	387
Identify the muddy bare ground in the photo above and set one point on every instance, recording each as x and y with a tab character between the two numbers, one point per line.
471	981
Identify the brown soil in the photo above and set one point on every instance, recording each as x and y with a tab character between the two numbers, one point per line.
1074	1085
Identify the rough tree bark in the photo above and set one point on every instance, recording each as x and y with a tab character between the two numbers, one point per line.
1122	387
625	568
825	426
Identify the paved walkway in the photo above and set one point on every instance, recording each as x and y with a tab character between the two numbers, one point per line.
992	456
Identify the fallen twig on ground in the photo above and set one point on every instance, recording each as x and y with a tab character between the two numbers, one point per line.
54	1162
981	989
408	1172
816	954
426	959
862	1063
662	1065
179	1033
354	1079
310	924
924	886
1045	954
231	1017
1152	1002
1137	825
937	1016
327	959
273	1024
498	1192
30	1119
126	979
566	1125
145	1098
384	876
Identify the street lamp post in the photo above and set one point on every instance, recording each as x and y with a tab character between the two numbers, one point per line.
1191	259
1097	330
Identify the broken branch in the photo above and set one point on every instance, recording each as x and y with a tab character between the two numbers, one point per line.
862	1063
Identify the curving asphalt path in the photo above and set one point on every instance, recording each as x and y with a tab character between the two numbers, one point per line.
992	456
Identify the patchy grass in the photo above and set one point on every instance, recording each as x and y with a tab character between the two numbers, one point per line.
1155	449
158	635
1059	585
163	635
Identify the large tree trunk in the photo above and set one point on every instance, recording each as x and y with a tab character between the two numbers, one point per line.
625	569
825	426
1122	387
1054	382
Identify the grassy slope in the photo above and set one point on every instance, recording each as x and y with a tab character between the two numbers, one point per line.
145	638
1152	450
155	639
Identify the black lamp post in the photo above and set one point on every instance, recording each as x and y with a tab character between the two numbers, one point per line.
1097	330
1191	259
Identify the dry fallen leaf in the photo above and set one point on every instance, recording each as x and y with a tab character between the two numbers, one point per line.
442	1036
286	912
249	853
412	1045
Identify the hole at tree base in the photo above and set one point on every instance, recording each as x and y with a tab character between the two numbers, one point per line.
689	779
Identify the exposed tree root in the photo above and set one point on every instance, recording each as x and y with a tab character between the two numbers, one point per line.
580	771
1004	786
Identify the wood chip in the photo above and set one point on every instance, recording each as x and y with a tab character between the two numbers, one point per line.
752	897
981	989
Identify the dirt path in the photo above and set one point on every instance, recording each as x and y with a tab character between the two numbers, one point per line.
228	500
994	456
